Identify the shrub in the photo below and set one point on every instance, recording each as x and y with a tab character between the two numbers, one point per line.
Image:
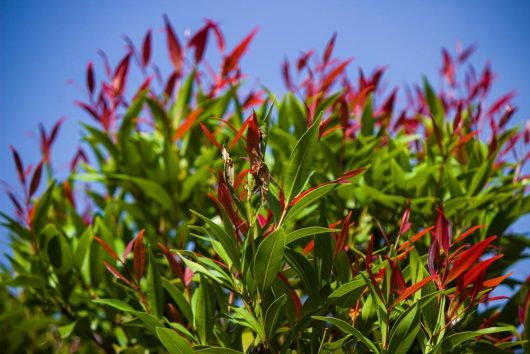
200	214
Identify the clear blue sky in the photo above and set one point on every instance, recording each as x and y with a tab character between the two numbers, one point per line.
44	44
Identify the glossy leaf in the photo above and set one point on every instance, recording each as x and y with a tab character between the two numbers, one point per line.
269	258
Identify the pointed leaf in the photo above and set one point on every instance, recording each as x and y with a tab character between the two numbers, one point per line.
174	342
268	259
174	48
300	161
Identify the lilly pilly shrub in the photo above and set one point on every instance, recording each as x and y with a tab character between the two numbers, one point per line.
201	214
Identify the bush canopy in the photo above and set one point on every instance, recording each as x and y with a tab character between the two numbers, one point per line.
202	214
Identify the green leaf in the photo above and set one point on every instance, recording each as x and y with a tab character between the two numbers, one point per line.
405	331
479	178
173	342
134	110
154	287
42	208
300	161
66	330
309	198
268	260
201	319
435	104
380	307
160	116
218	350
305	270
184	97
273	315
58	249
151	188
117	304
150	322
352	289
83	246
228	242
347	329
199	268
102	138
367	118
26	281
453	341
179	299
307	232
244	318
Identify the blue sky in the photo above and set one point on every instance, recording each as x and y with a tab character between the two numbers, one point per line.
45	46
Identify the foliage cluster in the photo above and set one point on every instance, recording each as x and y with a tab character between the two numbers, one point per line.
203	216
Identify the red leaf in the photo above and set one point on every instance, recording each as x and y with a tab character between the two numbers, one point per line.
106	64
172	261
467	258
55	130
474	272
173	45
468	232
144	85
218	35
188	276
120	75
287	76
128	249
253	136
232	59
448	67
405	225
35	180
175	315
466	138
332	76
79	155
146	49
388	106
491	283
397	281
170	84
139	255
442	230
297	304
500	103
508	114
107	249
16	203
302	60
342	179
210	136
240	132
186	125
466	53
434	251
329	49
415	238
199	41
253	99
309	247
117	274
411	290
343	236
89	109
90	78
20	166
226	200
